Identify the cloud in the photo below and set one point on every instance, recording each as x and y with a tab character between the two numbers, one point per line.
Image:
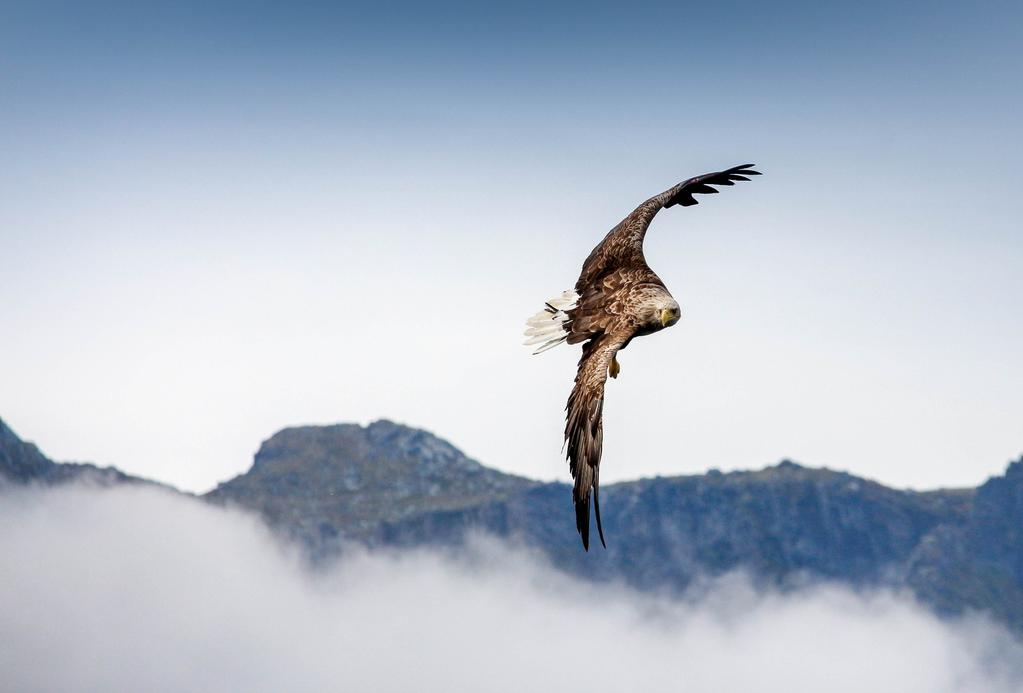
135	589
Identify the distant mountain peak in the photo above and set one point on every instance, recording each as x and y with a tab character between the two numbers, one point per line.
1015	469
351	477
349	445
10	439
23	463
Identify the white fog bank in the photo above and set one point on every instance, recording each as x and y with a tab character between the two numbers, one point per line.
138	590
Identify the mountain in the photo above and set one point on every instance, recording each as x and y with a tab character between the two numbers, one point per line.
388	485
22	463
324	485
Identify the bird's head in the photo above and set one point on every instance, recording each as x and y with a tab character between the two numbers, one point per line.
670	313
661	312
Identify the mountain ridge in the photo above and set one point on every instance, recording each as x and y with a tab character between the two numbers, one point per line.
390	485
22	462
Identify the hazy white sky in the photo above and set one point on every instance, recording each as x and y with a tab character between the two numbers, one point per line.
213	226
139	590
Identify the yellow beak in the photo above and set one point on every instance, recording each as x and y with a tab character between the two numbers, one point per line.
666	317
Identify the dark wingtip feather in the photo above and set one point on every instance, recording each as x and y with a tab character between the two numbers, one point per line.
582	520
745	169
596	511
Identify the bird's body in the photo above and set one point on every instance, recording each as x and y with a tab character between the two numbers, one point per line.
616	299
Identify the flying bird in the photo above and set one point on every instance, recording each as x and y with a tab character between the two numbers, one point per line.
616	299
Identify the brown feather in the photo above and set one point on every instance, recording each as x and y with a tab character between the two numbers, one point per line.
613	285
584	427
623	245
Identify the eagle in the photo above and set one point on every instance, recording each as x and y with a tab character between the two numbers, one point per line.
616	299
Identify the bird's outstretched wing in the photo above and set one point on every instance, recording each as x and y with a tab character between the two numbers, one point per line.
623	245
682	194
584	428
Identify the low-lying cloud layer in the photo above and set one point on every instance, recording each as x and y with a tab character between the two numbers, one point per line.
135	589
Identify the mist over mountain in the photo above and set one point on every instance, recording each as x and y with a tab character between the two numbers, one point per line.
331	488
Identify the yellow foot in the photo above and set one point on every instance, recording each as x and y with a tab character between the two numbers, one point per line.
615	368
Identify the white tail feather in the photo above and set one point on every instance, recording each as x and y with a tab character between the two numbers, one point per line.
549	327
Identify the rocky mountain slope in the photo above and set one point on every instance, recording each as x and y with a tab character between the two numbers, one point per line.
22	463
390	485
323	485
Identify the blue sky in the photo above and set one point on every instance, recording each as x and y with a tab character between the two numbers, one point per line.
220	220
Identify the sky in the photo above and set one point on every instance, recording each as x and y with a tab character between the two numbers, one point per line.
220	220
137	589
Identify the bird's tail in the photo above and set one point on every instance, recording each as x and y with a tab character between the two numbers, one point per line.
549	327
